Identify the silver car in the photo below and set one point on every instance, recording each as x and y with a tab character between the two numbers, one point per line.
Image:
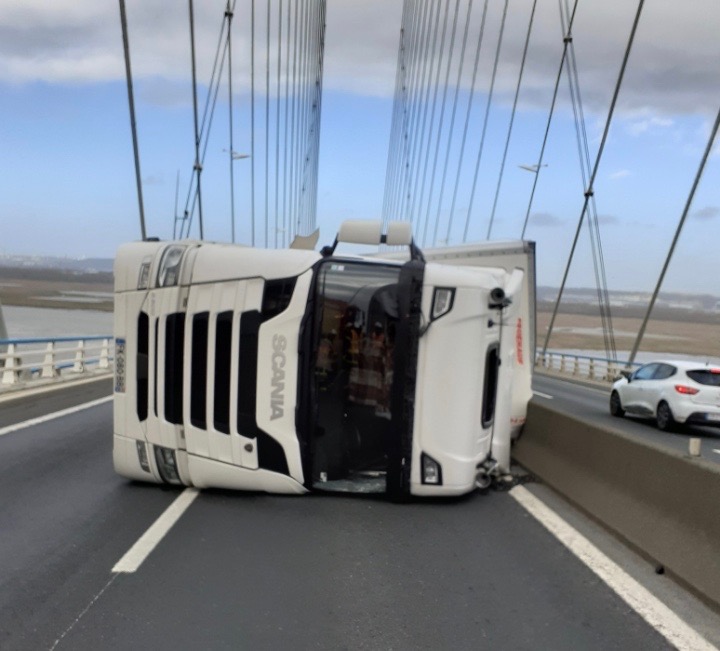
672	392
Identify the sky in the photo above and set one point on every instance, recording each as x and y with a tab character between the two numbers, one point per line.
67	186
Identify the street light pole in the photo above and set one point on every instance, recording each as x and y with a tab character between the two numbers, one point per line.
233	156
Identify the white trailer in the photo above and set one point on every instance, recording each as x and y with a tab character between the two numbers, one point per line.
289	371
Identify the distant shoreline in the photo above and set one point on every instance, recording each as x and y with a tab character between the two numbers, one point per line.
31	301
56	289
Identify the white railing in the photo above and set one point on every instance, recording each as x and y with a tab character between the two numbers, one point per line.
586	367
26	360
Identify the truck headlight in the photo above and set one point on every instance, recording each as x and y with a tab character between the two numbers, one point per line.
443	298
431	470
144	275
142	455
169	273
167	466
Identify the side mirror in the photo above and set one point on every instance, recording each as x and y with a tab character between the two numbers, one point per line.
369	231
360	231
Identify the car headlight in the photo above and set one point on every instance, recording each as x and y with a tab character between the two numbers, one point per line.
431	470
443	298
169	273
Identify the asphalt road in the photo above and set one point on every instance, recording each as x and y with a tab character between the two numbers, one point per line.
592	403
251	571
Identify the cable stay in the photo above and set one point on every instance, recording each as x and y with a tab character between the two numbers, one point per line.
467	118
567	39
451	128
133	125
676	237
589	192
418	83
485	121
593	222
512	119
441	120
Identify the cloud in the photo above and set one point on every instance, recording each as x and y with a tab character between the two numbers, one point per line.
608	220
545	219
620	174
707	213
154	179
676	48
653	123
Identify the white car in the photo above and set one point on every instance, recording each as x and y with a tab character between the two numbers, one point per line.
672	392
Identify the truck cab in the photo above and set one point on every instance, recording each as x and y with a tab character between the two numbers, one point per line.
292	371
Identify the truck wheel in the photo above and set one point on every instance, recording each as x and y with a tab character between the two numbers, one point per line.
665	420
615	405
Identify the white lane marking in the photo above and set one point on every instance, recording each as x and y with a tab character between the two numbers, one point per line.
55	414
643	602
542	395
82	614
135	556
716	451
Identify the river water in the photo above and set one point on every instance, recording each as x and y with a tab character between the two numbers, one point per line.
23	322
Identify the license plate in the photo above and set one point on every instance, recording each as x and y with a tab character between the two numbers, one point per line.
119	366
713	417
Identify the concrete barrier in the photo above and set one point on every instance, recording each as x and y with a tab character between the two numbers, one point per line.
664	504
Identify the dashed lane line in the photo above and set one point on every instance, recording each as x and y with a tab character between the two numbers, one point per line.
542	395
676	631
135	556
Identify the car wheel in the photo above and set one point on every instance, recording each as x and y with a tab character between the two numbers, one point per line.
665	420
615	405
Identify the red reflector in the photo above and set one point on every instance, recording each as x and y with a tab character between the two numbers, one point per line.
690	391
715	370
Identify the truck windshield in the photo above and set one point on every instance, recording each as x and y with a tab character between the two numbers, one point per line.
357	317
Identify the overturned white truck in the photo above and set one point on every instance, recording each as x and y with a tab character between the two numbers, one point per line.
291	371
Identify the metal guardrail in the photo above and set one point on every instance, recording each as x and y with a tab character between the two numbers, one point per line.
23	360
583	366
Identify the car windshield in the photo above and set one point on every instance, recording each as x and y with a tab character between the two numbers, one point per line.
355	330
710	377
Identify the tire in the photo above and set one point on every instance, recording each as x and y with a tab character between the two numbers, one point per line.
615	405
665	420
